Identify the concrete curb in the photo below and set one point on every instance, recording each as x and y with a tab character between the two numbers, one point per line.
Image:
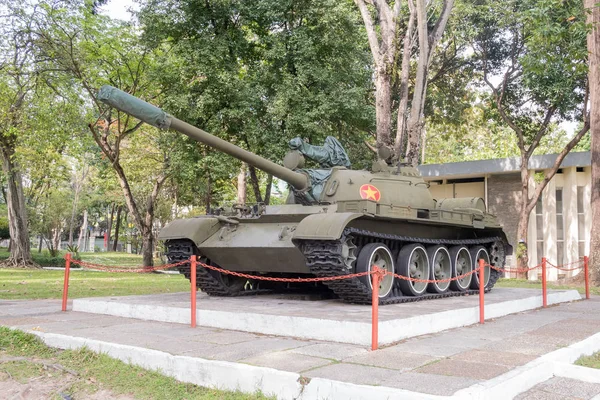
287	385
523	378
322	329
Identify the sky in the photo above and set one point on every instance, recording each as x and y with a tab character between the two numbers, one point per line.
118	9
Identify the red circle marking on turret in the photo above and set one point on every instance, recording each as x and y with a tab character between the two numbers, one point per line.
369	192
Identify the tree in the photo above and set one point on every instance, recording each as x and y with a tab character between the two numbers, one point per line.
418	32
537	49
593	46
257	74
93	50
18	82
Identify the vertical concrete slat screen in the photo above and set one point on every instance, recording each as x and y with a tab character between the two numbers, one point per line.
570	217
532	249
587	208
549	202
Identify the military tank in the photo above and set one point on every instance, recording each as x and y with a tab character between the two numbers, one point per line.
336	221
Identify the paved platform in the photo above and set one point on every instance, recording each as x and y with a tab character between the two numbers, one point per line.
330	320
504	358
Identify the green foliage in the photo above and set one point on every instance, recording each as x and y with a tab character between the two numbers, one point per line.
258	74
4	230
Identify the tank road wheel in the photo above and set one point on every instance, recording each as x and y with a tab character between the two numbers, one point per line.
234	284
441	268
349	253
376	254
477	253
461	264
413	262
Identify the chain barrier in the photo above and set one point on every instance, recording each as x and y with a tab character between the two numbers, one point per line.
514	270
288	280
416	280
579	263
107	268
334	278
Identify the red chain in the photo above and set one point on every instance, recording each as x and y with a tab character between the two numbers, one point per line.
514	270
120	269
294	280
456	278
559	267
333	278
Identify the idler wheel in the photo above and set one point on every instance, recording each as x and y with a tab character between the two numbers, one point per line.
380	255
413	262
462	263
441	268
477	253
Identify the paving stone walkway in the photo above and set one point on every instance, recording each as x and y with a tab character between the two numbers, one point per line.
437	364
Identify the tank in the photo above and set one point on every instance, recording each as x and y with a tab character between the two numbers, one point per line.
336	221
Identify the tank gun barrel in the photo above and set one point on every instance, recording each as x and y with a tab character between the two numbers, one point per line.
157	117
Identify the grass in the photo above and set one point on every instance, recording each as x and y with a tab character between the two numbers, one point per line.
44	284
524	283
592	361
116	259
93	372
106	258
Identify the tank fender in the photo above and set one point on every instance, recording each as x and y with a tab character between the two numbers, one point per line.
196	229
324	226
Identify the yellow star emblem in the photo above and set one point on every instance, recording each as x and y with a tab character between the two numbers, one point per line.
369	192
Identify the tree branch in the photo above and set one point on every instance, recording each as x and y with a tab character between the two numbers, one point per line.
371	34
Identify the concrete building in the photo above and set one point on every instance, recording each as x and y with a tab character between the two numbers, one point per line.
559	226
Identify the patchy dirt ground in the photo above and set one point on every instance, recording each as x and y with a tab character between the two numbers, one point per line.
33	379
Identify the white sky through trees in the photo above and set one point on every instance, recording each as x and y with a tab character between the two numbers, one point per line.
118	9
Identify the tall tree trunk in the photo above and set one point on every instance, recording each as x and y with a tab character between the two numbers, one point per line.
522	245
241	186
255	184
593	43
147	247
268	189
404	77
83	231
383	106
56	234
118	225
20	251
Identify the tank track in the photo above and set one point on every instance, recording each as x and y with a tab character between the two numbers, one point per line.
324	258
181	250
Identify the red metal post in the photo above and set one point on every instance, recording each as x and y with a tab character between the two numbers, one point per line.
66	283
375	309
481	290
586	270
193	288
544	286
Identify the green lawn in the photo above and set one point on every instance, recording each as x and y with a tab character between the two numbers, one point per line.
592	361
524	283
43	284
79	373
106	258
